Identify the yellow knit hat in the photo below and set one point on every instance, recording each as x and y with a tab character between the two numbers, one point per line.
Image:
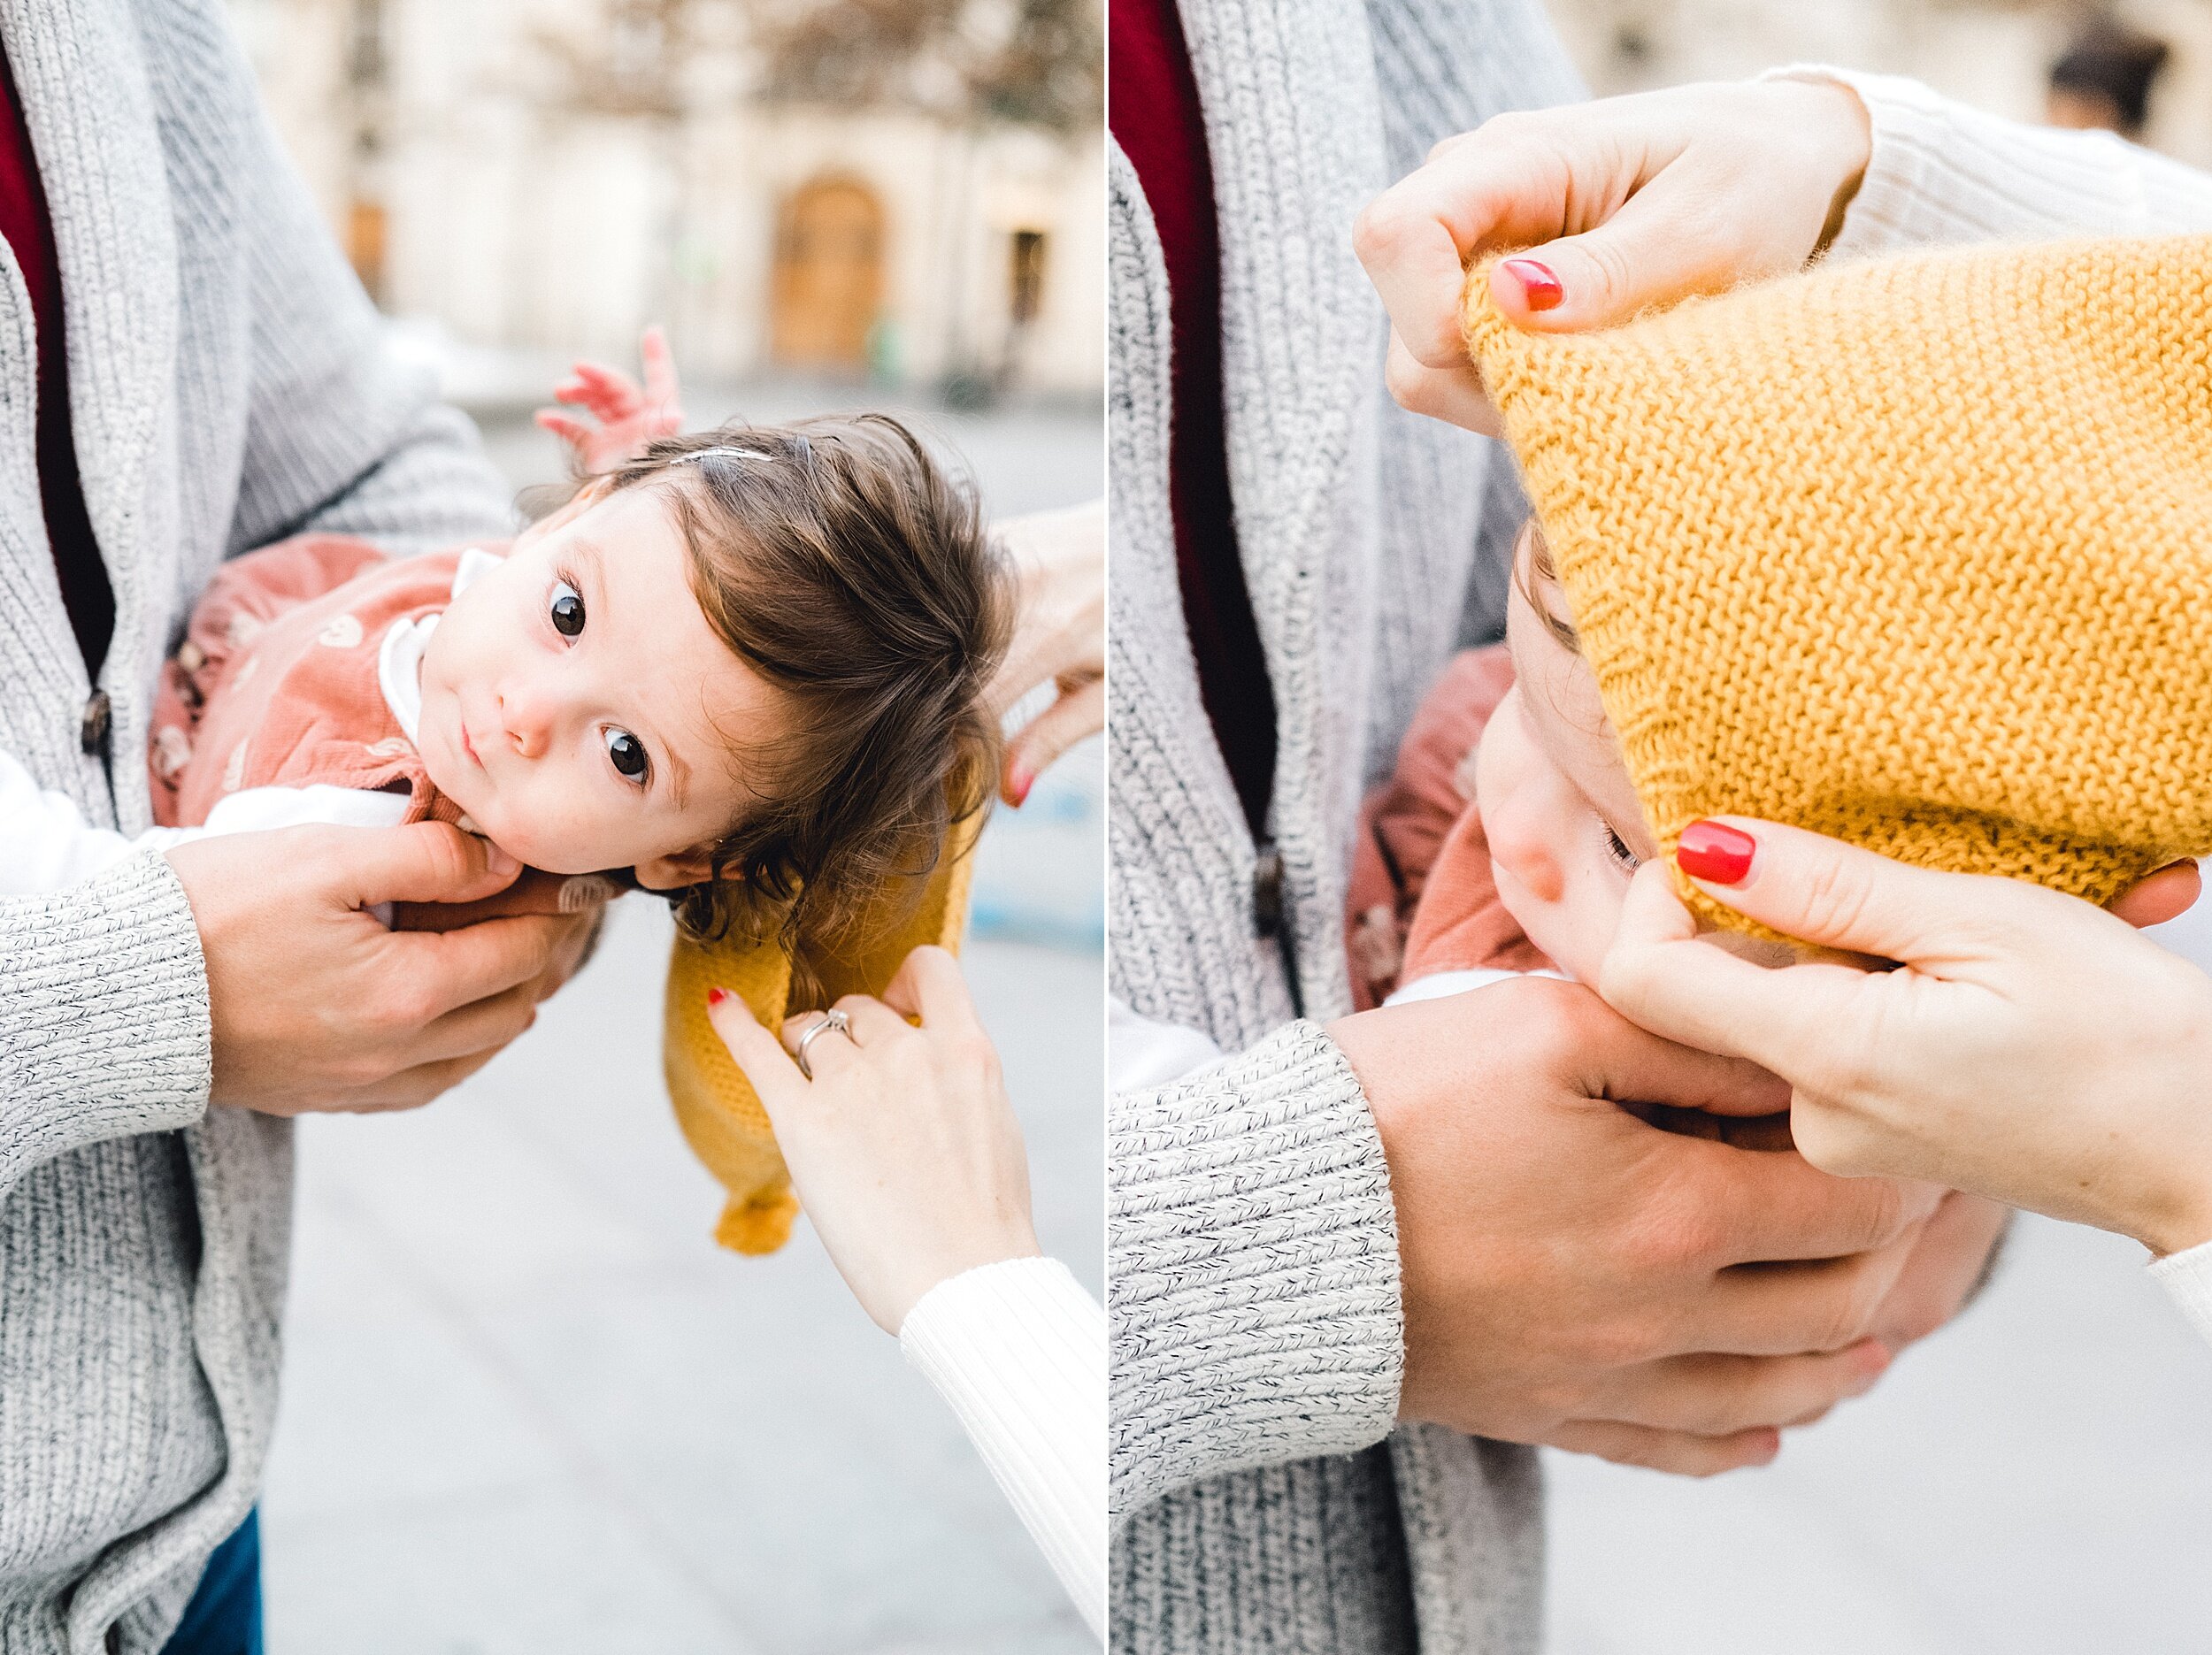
719	1111
1915	553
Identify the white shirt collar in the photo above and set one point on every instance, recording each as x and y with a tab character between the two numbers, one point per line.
399	658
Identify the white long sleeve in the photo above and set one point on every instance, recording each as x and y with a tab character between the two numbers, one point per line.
2187	1279
45	843
1941	172
1018	1352
47	846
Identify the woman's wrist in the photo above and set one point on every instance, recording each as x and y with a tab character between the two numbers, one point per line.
2173	1212
2180	1219
1836	117
977	1251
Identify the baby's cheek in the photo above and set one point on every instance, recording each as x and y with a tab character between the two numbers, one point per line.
1521	846
539	831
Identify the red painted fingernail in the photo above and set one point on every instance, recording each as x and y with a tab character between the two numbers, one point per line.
1540	287
716	996
1018	782
1715	852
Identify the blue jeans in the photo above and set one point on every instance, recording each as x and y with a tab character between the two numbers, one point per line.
224	1617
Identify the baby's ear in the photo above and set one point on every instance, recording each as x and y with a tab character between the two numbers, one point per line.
695	866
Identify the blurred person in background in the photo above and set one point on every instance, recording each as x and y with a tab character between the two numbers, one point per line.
2105	80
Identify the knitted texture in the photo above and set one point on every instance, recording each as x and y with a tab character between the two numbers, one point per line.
229	386
716	1106
1916	553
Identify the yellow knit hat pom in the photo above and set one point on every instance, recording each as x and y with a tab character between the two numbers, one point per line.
1916	553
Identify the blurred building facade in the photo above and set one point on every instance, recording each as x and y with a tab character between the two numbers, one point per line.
909	190
1994	53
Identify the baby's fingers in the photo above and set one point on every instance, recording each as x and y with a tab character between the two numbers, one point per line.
606	392
570	430
661	388
611	383
757	1051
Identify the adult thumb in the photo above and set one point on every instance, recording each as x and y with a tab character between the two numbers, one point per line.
1651	252
1824	891
425	862
1660	975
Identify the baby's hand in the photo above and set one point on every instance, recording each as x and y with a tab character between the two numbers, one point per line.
629	416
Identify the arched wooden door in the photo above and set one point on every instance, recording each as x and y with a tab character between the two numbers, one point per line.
829	275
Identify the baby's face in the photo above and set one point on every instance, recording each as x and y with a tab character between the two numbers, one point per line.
1565	828
578	707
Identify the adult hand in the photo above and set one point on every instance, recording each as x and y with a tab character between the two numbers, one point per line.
1574	1274
315	1006
2031	1048
1946	1268
581	898
902	1147
1635	201
1059	637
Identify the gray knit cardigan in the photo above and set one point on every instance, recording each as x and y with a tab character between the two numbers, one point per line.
1263	1500
228	388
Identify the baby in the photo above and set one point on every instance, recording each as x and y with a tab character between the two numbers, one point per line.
1505	839
742	668
1917	553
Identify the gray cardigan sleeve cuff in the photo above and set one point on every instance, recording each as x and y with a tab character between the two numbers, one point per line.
103	1019
1253	1306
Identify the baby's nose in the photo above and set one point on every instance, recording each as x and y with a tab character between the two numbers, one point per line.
528	721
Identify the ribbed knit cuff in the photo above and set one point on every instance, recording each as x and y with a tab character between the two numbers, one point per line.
2187	1279
1941	172
1017	1350
103	1020
1253	1269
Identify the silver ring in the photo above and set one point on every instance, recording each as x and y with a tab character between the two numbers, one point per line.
836	1020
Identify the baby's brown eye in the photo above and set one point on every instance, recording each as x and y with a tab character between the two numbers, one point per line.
1618	849
567	609
627	752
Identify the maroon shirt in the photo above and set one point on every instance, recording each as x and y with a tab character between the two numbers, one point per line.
29	232
1152	107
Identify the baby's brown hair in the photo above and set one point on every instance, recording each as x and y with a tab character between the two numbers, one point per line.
840	560
1537	567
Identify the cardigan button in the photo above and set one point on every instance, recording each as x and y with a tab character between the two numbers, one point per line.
92	731
1267	891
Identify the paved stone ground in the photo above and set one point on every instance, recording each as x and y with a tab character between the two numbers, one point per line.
2034	1480
531	1410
